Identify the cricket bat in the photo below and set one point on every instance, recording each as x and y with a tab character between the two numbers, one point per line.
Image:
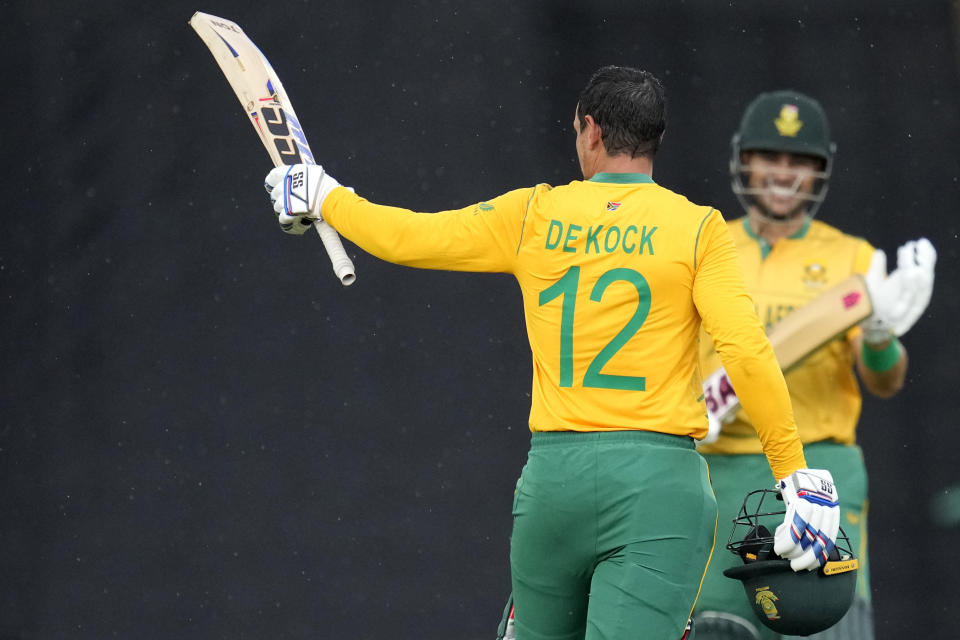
269	110
794	338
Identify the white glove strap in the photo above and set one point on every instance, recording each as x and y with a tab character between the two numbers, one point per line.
813	485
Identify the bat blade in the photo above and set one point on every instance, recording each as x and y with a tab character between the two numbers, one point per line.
794	338
269	110
819	321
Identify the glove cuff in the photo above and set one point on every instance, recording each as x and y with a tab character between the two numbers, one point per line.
882	360
875	331
327	184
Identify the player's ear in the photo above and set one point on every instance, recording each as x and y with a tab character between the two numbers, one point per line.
593	133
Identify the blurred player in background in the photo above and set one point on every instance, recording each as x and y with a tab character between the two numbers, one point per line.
614	516
780	167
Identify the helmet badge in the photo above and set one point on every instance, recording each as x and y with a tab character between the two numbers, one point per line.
788	122
765	597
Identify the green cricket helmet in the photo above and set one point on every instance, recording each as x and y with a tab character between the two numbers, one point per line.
788	602
783	121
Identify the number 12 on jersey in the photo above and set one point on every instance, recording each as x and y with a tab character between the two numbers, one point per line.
566	288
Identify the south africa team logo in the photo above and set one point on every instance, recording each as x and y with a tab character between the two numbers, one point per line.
788	123
613	206
765	598
815	275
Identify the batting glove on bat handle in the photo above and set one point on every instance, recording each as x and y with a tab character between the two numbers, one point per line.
899	299
808	533
297	193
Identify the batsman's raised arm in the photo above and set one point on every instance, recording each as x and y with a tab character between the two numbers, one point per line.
481	237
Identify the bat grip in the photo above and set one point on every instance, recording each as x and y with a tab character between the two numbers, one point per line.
342	265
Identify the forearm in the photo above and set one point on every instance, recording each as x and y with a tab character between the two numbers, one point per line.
730	319
882	367
390	233
762	392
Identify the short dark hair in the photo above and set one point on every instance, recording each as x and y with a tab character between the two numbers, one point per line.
630	107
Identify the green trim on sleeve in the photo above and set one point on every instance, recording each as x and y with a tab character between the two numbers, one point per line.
880	361
696	243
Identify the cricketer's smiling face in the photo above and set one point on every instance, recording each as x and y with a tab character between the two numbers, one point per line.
782	183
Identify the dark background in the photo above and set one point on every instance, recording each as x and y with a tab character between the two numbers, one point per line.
204	435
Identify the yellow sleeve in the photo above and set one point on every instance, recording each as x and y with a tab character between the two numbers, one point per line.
728	315
480	237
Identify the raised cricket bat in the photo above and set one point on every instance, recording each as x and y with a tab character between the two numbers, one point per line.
270	112
794	338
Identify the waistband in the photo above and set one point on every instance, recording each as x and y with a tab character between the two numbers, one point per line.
553	438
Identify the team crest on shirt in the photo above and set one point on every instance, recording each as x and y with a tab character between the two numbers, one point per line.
815	275
613	206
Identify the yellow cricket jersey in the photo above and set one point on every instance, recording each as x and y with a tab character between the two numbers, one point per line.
616	274
823	388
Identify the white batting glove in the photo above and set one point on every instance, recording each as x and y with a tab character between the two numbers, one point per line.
297	193
721	401
808	533
900	298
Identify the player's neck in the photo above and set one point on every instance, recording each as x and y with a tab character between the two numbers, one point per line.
773	232
622	163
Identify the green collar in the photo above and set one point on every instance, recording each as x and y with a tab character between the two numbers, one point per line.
764	245
622	178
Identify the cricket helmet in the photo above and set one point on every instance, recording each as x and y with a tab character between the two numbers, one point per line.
789	122
788	602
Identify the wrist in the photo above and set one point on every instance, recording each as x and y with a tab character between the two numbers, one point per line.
882	359
876	334
327	185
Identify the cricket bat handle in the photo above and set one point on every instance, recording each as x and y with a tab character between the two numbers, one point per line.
341	262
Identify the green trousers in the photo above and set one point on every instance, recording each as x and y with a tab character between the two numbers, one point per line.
612	533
